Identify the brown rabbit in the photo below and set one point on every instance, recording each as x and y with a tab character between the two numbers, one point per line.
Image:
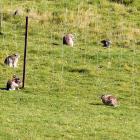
12	60
68	40
14	84
109	100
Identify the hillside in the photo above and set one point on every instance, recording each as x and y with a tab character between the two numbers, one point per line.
61	98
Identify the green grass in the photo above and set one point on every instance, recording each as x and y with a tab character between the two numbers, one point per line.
61	99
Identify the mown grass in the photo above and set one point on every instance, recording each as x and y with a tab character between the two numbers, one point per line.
61	99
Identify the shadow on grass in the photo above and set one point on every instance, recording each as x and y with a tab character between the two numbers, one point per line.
1	33
96	104
3	65
79	70
3	88
55	44
138	43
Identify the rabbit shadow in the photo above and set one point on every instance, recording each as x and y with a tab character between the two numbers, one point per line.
55	44
3	88
1	33
98	104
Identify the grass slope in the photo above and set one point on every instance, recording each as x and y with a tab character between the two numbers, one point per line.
63	85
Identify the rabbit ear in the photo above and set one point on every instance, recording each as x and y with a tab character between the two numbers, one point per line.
72	35
102	95
14	76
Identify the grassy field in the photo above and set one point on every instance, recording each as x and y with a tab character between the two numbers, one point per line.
61	99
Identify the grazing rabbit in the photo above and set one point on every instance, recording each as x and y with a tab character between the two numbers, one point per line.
12	60
109	100
106	43
14	84
68	40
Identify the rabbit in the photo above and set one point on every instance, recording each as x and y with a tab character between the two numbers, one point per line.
68	40
109	100
13	84
106	43
12	60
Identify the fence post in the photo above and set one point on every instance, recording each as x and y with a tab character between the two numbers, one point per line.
25	51
1	18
